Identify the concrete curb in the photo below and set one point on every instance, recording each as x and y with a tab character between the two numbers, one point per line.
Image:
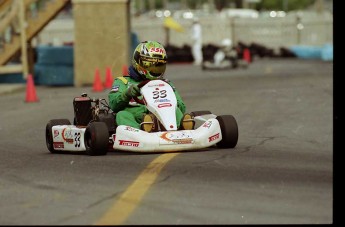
11	88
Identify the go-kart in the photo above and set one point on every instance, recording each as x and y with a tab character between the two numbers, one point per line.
94	130
225	57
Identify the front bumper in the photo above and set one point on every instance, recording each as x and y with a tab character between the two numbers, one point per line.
132	139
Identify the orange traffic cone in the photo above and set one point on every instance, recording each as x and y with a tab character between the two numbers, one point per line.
124	70
30	90
97	83
108	78
246	55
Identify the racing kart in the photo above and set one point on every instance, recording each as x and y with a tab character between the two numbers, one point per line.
224	60
94	130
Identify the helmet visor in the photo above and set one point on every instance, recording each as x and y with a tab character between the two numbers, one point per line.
156	66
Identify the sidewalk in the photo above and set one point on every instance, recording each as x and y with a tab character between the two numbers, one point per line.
10	88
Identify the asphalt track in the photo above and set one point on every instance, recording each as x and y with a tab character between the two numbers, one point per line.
280	172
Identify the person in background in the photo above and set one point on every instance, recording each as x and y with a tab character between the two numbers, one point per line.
196	34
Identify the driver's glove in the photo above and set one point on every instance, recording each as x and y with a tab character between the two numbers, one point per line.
132	91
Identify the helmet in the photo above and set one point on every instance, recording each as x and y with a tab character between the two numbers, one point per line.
226	42
150	59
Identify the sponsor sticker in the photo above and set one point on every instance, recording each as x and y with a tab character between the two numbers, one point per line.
207	124
177	137
115	88
67	135
156	85
129	143
154	60
162	105
56	133
131	129
57	145
162	100
214	137
157	50
183	141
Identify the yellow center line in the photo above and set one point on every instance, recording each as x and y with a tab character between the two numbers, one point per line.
131	198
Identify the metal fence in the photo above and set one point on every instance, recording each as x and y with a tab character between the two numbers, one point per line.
301	28
308	28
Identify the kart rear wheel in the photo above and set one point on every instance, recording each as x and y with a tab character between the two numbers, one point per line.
96	139
229	129
49	133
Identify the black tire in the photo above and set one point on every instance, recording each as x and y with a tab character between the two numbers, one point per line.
96	139
203	67
229	128
49	133
200	112
234	64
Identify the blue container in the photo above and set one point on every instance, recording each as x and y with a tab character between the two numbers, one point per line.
307	52
327	52
54	75
50	55
12	78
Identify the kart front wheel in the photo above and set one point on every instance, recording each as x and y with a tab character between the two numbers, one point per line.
49	133
229	129
96	139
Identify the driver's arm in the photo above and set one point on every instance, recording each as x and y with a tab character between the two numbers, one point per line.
117	101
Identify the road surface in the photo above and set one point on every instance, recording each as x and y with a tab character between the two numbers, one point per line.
280	172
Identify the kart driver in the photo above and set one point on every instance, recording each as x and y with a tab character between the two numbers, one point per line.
148	63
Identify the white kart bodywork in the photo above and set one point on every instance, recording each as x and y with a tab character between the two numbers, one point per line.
71	137
68	137
160	100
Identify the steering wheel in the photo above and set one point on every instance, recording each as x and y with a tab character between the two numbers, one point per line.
140	85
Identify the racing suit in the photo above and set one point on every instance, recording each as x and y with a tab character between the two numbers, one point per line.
129	112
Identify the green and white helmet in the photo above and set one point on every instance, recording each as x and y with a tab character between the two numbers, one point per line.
150	59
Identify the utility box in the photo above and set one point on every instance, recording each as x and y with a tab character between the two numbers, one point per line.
102	38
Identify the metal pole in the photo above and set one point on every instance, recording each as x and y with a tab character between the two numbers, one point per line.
141	6
299	27
167	36
183	4
245	4
233	33
285	5
152	5
24	56
165	4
